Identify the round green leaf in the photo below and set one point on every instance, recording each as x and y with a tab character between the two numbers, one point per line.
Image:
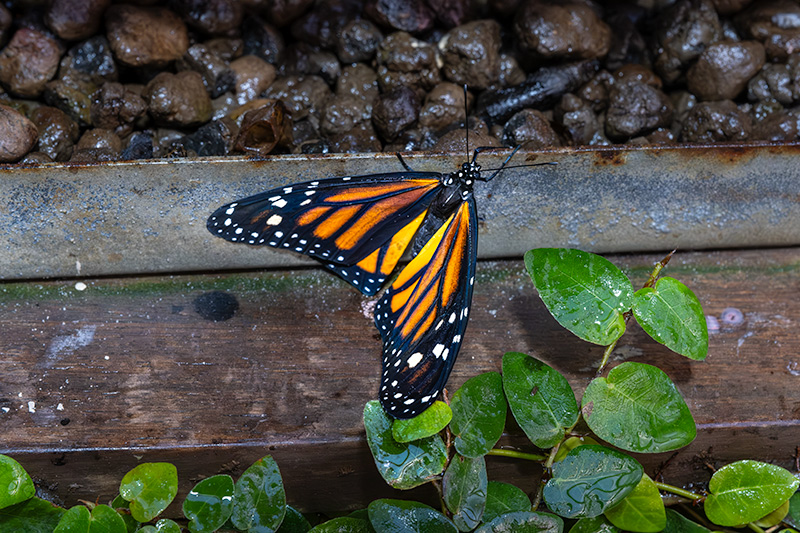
638	408
590	480
166	526
34	515
402	465
503	498
598	524
150	487
464	485
343	524
540	397
584	292
76	519
677	523
15	484
259	500
673	316
294	522
400	516
745	491
523	522
775	517
641	511
429	422
793	518
479	414
209	504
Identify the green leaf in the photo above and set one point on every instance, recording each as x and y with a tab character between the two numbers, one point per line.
15	482
209	504
639	409
590	480
584	292
793	518
502	498
745	491
570	444
479	414
402	465
598	524
429	422
523	522
34	515
294	522
677	523
673	316
641	511
167	526
464	485
775	517
150	487
75	520
259	500
399	516
540	397
343	524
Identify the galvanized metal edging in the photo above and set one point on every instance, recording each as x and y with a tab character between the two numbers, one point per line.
68	220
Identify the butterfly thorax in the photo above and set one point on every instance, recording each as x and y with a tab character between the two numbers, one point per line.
457	188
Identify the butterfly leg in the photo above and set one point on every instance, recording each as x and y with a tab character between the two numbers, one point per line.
403	162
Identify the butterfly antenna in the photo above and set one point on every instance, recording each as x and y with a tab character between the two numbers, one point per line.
466	123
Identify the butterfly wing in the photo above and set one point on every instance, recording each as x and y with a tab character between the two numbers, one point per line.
423	315
357	226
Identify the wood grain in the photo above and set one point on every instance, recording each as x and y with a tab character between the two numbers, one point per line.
94	381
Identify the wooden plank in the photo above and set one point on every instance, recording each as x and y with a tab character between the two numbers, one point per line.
69	219
93	381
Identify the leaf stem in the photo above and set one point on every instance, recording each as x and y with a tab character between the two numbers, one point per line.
678	491
517	455
755	528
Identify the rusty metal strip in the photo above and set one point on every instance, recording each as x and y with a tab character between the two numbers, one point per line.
61	220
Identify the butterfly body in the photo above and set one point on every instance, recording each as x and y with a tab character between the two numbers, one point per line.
359	227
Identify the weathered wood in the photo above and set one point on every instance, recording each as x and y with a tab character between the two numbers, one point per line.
128	370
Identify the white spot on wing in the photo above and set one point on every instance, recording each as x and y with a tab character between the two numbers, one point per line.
274	220
414	359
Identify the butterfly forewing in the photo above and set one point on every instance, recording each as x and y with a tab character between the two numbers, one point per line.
423	315
357	226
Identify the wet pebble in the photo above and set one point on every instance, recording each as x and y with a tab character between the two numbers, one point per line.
264	128
358	41
17	134
404	61
723	69
343	113
214	17
282	12
90	60
322	25
262	39
34	158
776	24
452	13
145	36
252	76
5	24
577	119
302	95
99	138
413	16
443	105
395	111
73	20
116	107
636	108
777	81
471	54
57	132
358	80
684	31
710	122
72	95
178	99
361	138
218	77
93	155
780	126
140	146
453	141
531	129
561	30
28	62
217	138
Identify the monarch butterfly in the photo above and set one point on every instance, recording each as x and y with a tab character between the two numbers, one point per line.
359	227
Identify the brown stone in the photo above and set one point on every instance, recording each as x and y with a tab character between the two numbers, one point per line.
252	77
28	62
723	69
17	134
145	36
74	20
57	132
178	99
471	54
116	107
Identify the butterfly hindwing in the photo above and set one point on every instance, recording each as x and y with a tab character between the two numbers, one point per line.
357	226
423	315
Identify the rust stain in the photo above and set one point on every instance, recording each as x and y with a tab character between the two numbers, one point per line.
610	158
